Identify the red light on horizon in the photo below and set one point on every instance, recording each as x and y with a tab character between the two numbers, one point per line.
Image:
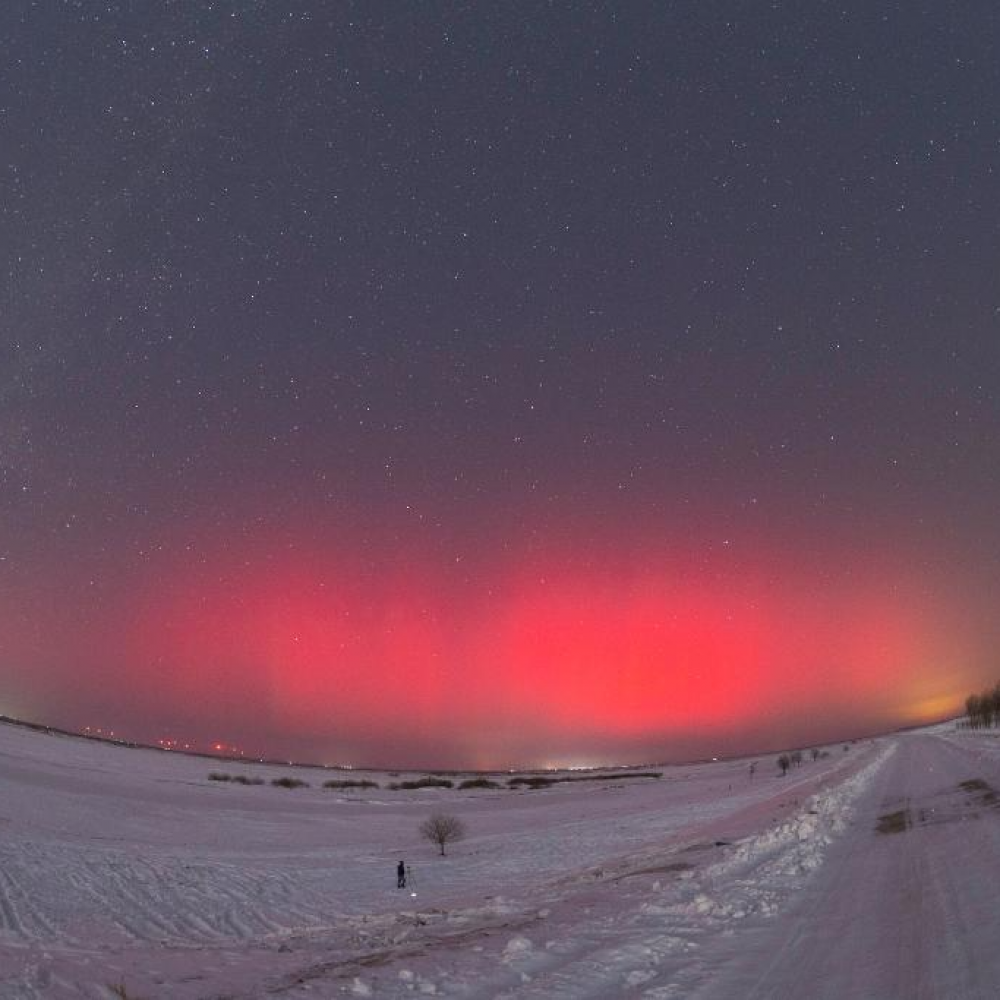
641	651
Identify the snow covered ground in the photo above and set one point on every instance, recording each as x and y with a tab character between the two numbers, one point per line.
869	873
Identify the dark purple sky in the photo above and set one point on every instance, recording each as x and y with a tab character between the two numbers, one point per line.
498	382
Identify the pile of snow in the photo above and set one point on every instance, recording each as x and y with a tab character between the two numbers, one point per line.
761	872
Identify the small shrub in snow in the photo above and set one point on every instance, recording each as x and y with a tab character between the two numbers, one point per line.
219	776
613	777
441	829
479	783
423	783
289	783
350	783
244	779
119	990
544	781
784	762
533	782
896	822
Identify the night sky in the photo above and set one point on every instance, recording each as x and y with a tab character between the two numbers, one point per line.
488	384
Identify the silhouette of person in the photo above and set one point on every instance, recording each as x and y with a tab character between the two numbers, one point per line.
400	876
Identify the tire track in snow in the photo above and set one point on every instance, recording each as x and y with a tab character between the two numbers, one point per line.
640	954
49	891
19	916
631	946
907	911
9	920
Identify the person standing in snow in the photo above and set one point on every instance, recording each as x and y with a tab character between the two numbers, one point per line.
400	876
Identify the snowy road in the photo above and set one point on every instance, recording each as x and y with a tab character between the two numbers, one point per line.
864	875
906	905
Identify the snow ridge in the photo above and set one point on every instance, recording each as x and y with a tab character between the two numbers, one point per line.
761	871
655	950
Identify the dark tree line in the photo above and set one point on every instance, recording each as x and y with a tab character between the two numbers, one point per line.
794	759
983	709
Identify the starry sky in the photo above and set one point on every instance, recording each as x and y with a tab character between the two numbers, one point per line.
480	385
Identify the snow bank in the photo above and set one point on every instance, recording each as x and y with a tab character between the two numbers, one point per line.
761	871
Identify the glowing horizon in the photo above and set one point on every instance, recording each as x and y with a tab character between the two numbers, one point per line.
317	650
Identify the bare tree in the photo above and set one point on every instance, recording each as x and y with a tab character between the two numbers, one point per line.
986	708
972	710
441	829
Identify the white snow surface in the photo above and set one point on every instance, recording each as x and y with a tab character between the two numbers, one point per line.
869	873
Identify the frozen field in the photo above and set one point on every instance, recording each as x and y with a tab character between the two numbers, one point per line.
867	874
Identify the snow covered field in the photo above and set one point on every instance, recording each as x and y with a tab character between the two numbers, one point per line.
865	874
